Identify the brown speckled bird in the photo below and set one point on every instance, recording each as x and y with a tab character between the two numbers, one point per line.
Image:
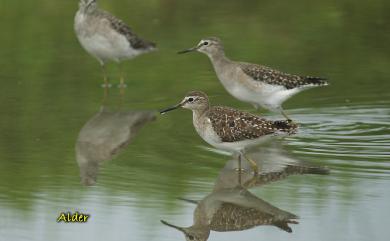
231	207
229	129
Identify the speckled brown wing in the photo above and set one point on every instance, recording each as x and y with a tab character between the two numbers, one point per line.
122	28
265	178
231	217
275	77
233	125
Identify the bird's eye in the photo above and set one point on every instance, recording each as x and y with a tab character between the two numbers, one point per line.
205	43
190	237
190	99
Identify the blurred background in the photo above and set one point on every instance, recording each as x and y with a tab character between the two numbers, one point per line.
51	89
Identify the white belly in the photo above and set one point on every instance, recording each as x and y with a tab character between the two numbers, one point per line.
101	41
270	97
207	133
104	48
205	130
239	146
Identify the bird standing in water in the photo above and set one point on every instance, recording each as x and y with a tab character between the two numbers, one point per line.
229	129
107	38
252	83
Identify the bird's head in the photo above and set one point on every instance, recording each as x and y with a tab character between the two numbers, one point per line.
194	100
208	46
87	4
192	233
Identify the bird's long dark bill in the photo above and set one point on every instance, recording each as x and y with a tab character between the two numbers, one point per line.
188	50
172	226
170	108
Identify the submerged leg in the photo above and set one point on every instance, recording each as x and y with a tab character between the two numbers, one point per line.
122	84
257	108
252	181
239	169
285	115
106	84
252	163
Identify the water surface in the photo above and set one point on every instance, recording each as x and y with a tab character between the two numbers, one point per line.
51	88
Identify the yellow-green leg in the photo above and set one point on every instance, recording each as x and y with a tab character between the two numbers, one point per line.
285	115
251	182
253	164
122	84
239	169
106	84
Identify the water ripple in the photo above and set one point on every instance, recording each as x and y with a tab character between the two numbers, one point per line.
356	137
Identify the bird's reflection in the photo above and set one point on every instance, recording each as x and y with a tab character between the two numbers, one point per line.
104	136
231	207
274	163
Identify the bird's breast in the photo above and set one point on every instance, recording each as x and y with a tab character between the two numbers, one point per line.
204	128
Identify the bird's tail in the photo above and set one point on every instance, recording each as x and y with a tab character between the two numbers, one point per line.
316	81
152	46
284	225
296	169
287	126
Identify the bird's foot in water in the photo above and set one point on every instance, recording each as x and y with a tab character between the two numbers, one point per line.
104	85
122	86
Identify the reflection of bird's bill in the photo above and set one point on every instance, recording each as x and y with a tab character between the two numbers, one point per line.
173	226
188	200
188	50
172	108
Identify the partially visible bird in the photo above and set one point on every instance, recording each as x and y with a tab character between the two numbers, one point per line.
252	83
107	38
105	136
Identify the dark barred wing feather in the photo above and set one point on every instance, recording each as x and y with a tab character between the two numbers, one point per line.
275	77
122	28
233	125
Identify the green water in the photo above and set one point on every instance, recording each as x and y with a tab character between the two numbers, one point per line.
51	88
